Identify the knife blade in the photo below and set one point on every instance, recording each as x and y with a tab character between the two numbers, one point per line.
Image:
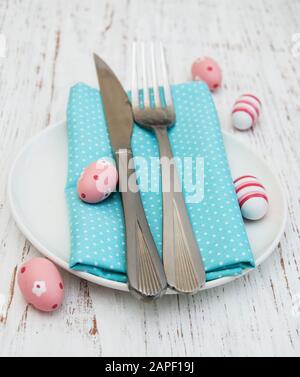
117	106
146	276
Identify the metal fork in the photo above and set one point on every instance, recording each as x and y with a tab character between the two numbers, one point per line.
182	259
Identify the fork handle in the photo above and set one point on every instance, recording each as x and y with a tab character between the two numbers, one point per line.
146	277
182	259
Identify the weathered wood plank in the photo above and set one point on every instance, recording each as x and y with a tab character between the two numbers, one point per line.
49	48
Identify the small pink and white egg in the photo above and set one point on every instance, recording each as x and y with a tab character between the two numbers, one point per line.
252	197
41	284
98	181
208	70
246	112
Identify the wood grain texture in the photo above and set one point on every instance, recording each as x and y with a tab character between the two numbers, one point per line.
49	47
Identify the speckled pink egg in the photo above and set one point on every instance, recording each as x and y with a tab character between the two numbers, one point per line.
98	181
207	70
41	284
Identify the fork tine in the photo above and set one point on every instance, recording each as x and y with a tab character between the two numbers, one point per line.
155	86
134	85
166	83
145	77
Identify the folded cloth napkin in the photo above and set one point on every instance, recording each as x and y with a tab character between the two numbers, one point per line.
97	231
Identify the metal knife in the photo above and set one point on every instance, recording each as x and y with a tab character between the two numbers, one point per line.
146	276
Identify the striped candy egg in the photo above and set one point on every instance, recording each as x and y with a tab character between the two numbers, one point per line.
246	112
252	197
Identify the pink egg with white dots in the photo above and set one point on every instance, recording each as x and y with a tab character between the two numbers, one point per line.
98	181
208	70
41	284
246	112
252	197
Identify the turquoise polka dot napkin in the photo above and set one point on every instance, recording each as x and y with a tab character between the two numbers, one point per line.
97	231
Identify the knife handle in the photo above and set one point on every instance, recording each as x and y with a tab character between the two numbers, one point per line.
146	276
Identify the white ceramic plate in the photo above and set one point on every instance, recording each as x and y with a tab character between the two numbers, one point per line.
36	195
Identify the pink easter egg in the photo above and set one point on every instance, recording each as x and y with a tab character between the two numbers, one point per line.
207	70
246	112
98	181
41	284
252	197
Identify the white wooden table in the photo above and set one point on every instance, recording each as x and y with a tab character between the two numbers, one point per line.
49	46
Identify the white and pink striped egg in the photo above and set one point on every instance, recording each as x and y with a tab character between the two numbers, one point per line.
252	197
246	112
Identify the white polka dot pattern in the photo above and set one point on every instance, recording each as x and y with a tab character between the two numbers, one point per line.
97	232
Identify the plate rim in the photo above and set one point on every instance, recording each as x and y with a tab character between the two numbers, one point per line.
123	287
